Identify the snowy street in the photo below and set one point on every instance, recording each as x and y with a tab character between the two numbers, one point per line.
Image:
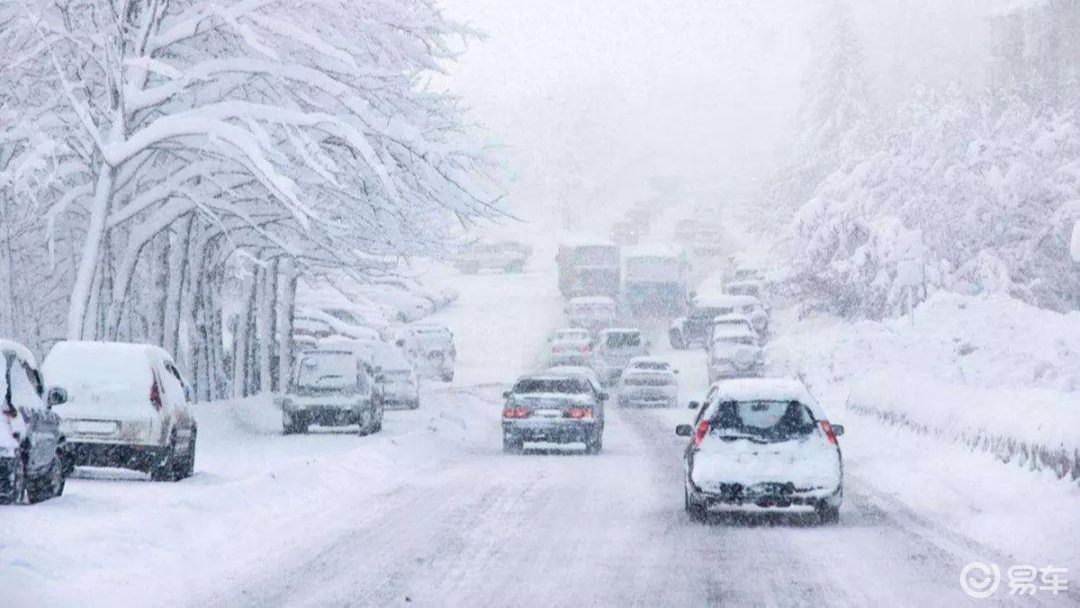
431	511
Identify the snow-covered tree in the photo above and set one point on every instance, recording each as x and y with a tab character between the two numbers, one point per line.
184	133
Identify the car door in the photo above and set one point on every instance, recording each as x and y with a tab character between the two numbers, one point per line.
27	395
176	397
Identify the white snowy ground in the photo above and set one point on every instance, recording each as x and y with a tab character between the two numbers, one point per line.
432	513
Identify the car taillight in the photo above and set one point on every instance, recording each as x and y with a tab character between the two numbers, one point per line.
702	430
825	426
516	412
155	394
579	413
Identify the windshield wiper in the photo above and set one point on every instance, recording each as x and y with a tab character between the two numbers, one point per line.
747	436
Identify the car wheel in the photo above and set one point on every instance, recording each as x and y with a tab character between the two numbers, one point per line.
595	444
187	465
696	511
415	405
165	469
50	485
828	515
12	479
512	445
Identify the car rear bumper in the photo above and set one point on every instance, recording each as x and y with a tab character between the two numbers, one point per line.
646	401
137	457
553	431
329	415
766	496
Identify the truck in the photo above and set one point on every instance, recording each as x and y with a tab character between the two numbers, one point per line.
654	282
589	269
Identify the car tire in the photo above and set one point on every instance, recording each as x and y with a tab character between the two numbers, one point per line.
595	444
187	464
13	482
828	515
696	511
165	469
294	426
415	405
512	445
49	486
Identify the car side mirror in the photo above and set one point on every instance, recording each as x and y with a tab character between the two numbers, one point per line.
506	394
684	430
838	430
695	405
56	396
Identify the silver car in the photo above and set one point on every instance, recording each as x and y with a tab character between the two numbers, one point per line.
331	388
553	408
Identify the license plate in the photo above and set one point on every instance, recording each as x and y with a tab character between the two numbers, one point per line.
95	427
547	414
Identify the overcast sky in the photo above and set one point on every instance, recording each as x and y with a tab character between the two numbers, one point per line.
592	97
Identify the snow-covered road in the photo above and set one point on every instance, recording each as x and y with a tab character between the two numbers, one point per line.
431	512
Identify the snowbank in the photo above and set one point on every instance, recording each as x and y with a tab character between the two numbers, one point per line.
989	371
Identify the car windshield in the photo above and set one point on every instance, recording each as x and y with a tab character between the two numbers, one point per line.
777	420
568	385
623	340
327	370
735	340
595	309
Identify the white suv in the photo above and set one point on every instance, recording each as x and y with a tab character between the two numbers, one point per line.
126	407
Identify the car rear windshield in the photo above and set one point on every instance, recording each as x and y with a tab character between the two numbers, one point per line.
327	370
776	420
572	386
593	309
649	380
623	340
742	340
657	365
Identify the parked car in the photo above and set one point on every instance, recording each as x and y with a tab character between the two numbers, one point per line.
34	456
748	288
438	296
398	382
507	256
330	387
735	320
648	383
734	352
126	406
763	445
407	306
552	408
354	313
615	348
430	348
592	313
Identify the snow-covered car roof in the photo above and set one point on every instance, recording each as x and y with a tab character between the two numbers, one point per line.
10	346
650	360
732	331
730	319
591	300
724	300
764	389
576	370
653	251
619	330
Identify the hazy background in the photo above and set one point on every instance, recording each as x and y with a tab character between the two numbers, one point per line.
591	98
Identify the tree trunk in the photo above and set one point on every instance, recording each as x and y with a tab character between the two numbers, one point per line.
91	253
178	275
241	338
286	304
267	291
160	274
